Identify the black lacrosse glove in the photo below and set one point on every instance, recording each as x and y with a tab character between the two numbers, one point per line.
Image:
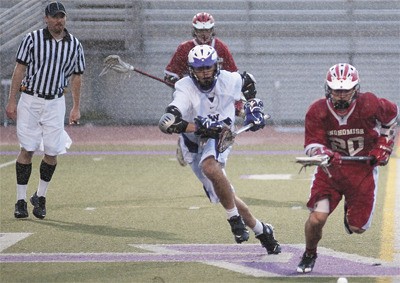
248	86
207	128
170	79
253	111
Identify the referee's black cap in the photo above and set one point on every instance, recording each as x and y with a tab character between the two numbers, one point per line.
54	8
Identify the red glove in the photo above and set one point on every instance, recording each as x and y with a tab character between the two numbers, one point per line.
381	152
334	157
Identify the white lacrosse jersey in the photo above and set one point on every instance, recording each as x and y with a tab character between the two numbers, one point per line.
217	105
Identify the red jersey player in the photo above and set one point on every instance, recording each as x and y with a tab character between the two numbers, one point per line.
203	33
345	123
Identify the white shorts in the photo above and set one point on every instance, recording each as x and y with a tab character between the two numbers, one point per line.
195	159
40	125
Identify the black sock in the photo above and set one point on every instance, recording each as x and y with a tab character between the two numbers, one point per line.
23	172
46	171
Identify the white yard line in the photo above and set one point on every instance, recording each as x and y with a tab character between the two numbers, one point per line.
8	163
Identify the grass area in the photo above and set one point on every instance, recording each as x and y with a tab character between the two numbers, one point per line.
106	202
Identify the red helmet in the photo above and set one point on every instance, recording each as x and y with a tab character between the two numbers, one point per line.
203	21
342	76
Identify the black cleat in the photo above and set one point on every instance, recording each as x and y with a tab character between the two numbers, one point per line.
307	263
238	229
346	224
21	210
39	206
268	241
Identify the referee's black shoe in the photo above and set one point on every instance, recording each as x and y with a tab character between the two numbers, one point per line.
39	206
21	210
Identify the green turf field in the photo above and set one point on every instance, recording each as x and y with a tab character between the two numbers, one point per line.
107	203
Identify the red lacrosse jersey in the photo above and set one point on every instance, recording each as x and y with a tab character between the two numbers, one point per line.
353	134
178	66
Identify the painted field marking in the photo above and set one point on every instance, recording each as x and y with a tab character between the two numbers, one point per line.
9	239
390	249
249	259
2	165
267	177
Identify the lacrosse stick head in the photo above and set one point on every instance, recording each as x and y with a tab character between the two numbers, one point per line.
115	63
317	160
226	139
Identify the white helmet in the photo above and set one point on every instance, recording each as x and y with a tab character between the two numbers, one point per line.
203	56
203	21
342	76
203	28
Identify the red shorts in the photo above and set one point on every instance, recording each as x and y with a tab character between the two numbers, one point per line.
357	182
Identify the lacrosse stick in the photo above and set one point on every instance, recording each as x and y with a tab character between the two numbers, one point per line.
115	63
323	161
227	137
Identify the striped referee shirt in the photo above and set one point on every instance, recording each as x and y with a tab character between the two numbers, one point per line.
49	62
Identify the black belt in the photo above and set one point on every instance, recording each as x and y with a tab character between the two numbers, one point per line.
46	97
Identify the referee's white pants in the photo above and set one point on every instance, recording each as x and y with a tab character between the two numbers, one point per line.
40	125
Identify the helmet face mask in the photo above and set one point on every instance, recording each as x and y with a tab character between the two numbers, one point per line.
203	36
342	86
341	99
203	27
203	67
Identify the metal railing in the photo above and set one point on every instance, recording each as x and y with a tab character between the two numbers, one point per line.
19	20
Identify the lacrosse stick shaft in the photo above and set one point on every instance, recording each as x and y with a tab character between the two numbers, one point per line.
153	77
227	137
114	62
317	159
245	128
356	158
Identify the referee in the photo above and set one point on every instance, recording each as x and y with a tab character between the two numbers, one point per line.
47	61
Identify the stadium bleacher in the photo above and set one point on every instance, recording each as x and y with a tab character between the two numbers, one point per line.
287	45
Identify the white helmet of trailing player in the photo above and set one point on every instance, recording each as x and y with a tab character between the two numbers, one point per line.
203	21
203	57
203	27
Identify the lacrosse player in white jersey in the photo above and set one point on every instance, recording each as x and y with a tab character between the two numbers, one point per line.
203	104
